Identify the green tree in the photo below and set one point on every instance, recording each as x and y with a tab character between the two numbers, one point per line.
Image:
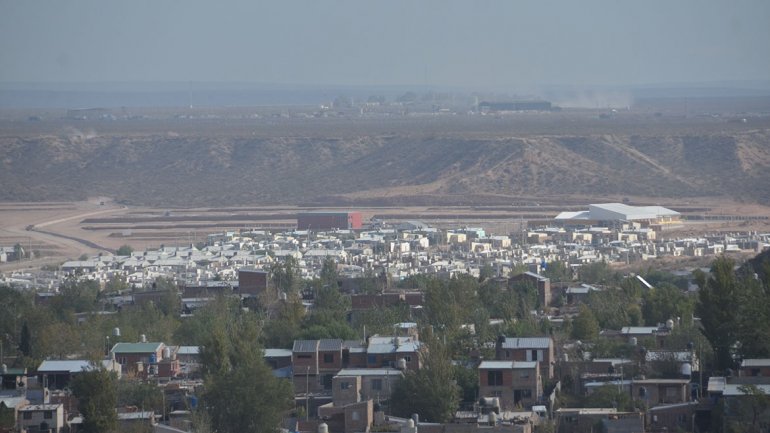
499	302
753	320
610	396
486	272
449	304
165	283
557	271
585	326
18	252
241	394
116	283
329	275
124	250
7	417
195	330
25	341
380	321
329	299
598	273
751	410
286	322
286	276
97	399
144	395
719	321
468	381
612	307
432	391
664	302
75	296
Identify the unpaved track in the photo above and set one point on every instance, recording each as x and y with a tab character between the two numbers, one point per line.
27	225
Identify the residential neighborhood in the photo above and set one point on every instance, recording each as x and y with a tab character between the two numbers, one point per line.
397	328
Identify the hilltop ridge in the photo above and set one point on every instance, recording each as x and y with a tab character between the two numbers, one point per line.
316	165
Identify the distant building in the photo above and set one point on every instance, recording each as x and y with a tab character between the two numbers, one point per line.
486	107
539	349
252	281
542	283
755	368
329	220
613	213
656	392
515	383
42	418
57	374
135	358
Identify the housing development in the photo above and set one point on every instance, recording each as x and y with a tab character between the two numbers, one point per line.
535	329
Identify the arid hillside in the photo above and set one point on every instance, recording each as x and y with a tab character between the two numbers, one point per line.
189	168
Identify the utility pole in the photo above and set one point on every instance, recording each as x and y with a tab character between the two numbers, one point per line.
307	392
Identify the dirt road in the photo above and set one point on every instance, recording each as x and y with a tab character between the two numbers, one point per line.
41	226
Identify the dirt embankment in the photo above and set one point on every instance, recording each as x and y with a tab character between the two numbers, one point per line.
401	167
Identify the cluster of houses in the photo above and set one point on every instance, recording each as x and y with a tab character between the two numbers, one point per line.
345	386
42	401
607	232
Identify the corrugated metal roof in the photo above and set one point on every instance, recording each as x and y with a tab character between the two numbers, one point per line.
499	365
37	407
381	348
638	330
328	345
735	389
354	346
756	362
277	353
188	350
305	346
409	347
369	372
406	325
495	365
12	402
135	415
136	347
351	344
527	343
73	366
716	384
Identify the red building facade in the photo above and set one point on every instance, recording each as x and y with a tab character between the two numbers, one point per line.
329	221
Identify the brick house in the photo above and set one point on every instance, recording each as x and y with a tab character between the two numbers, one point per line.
369	383
42	417
135	357
542	284
540	349
755	368
388	351
661	391
516	383
304	361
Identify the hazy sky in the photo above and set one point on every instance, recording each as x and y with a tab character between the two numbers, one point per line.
471	43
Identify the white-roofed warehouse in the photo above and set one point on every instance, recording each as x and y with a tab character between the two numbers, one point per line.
616	212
